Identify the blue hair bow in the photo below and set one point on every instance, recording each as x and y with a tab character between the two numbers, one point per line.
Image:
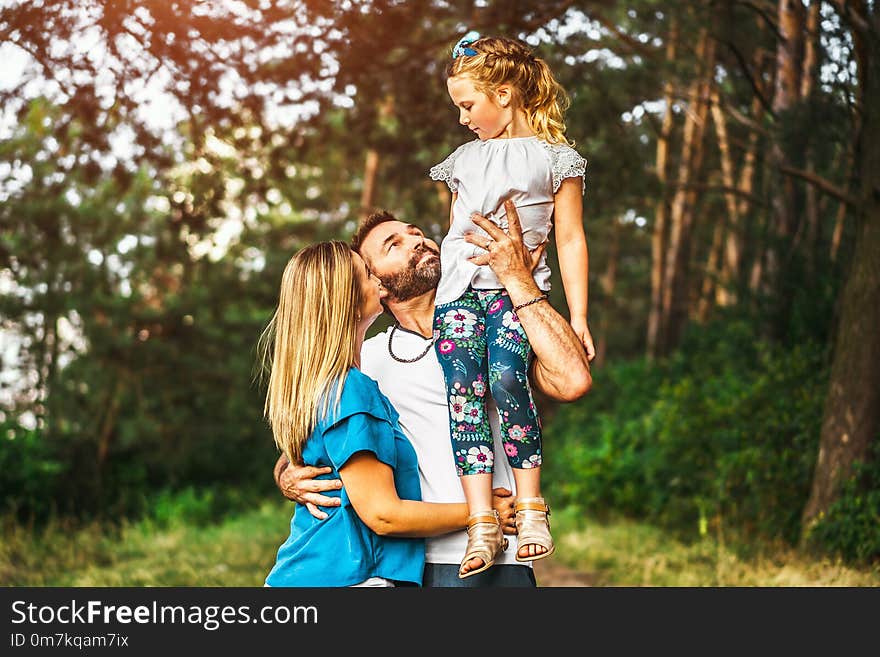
461	48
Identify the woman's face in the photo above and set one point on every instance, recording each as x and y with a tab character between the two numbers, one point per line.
371	308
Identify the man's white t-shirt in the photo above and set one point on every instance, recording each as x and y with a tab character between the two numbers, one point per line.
418	392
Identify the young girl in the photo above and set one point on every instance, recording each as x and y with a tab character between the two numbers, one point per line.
514	105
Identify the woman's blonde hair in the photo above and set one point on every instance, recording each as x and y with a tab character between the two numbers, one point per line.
309	344
499	60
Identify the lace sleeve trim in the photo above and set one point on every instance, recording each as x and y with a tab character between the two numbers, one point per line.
567	163
443	171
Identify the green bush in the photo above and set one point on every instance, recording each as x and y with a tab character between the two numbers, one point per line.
724	433
851	527
30	472
200	507
43	477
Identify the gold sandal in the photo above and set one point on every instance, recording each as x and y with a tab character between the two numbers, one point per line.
485	541
533	527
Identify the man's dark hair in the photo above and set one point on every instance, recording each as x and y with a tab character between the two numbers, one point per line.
368	224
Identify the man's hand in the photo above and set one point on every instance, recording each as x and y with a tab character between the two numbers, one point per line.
506	253
582	331
561	369
503	502
299	483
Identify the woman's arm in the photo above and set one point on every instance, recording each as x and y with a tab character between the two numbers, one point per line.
571	247
370	486
299	483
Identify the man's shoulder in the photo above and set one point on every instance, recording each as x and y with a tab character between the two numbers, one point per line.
373	352
375	343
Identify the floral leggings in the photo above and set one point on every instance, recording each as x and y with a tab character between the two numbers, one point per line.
480	340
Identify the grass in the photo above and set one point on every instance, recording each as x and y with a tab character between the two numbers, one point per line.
240	550
626	553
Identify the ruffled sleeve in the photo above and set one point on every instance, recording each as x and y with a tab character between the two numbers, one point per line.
363	422
443	171
567	163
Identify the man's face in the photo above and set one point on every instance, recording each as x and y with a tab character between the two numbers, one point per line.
405	262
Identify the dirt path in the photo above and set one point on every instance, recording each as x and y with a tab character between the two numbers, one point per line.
550	572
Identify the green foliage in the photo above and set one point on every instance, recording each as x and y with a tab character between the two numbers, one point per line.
29	470
44	479
723	433
851	527
199	507
141	351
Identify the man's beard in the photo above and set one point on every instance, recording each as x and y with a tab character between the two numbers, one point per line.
417	279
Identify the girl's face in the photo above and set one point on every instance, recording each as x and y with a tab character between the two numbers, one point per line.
371	308
487	116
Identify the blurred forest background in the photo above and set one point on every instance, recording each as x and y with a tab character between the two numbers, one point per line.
161	160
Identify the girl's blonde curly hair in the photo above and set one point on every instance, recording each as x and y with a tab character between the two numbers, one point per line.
500	60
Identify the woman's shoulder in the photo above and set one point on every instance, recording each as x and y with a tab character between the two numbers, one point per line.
358	386
361	394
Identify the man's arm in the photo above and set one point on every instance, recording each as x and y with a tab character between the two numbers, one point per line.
299	483
561	369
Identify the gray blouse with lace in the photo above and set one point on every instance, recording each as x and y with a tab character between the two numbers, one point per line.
527	170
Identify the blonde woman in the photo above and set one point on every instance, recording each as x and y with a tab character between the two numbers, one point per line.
325	412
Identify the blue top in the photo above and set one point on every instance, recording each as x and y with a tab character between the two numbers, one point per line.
341	550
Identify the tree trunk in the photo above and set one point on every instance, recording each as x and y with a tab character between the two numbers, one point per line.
108	423
371	162
808	78
837	235
760	237
711	279
852	408
660	235
747	171
371	168
51	415
811	51
675	284
733	249
789	57
46	361
851	167
608	283
758	230
725	286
